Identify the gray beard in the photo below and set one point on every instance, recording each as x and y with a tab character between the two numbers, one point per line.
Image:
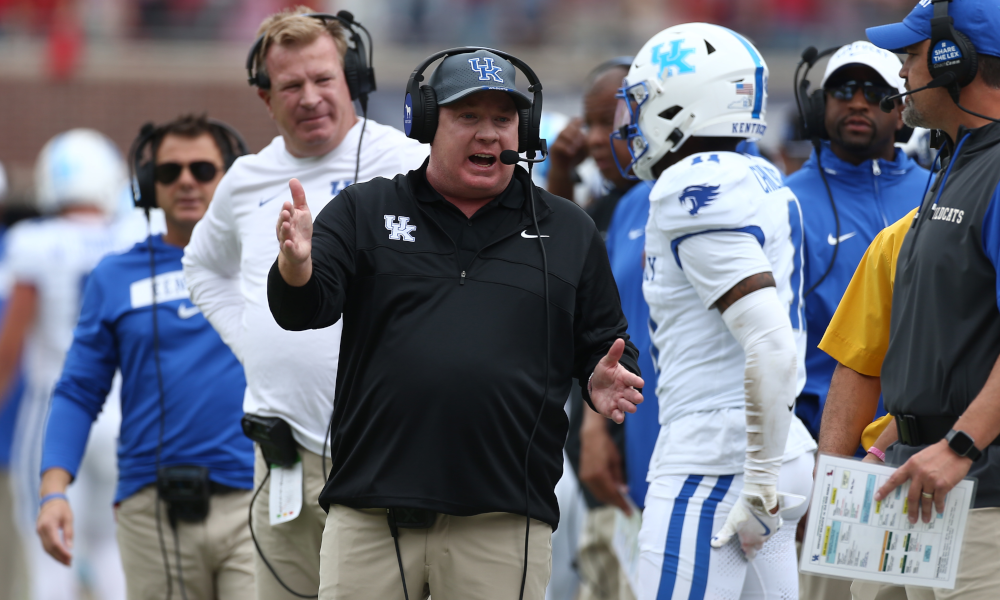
914	118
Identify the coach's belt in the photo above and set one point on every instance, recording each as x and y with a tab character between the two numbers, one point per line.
921	431
411	518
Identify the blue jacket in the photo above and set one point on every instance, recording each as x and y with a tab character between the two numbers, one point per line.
869	197
202	380
626	243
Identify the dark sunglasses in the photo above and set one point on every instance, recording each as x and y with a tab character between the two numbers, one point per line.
202	171
873	93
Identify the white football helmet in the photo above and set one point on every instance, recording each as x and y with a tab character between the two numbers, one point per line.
79	166
695	79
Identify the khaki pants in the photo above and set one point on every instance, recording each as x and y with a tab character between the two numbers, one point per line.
216	555
459	558
978	572
869	590
12	566
601	577
292	548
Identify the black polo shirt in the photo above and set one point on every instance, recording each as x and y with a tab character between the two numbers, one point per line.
470	235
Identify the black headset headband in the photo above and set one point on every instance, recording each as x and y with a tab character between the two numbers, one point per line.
358	71
143	183
529	142
812	104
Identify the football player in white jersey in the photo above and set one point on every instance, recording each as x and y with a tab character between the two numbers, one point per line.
79	179
723	283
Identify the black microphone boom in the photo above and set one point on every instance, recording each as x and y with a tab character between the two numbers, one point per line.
511	157
889	103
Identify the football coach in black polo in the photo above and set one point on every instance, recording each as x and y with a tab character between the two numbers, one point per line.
440	279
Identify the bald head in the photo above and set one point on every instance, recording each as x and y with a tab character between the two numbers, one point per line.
599	104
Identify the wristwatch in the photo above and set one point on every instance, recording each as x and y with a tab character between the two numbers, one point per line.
963	444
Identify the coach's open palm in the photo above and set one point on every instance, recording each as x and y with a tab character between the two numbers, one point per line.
613	387
294	230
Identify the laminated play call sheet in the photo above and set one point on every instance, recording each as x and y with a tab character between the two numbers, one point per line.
850	535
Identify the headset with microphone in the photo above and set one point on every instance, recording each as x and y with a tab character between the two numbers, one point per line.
952	61
812	111
358	70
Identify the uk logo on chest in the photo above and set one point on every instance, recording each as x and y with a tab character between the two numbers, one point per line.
338	186
400	229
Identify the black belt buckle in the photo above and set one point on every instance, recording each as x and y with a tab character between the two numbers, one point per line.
186	490
410	518
907	430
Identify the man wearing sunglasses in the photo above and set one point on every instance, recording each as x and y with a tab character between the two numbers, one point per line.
872	183
182	397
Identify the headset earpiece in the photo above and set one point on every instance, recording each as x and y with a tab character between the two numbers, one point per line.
428	112
523	129
950	50
815	115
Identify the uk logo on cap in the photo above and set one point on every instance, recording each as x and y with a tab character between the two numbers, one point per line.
486	71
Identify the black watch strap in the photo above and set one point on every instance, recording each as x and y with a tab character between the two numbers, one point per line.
963	444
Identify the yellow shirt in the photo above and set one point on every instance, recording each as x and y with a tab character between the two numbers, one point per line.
858	335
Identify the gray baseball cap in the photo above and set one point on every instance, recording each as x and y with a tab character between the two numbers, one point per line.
462	74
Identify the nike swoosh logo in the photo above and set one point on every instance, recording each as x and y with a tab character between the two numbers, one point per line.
834	241
791	406
527	235
636	234
767	530
186	312
263	202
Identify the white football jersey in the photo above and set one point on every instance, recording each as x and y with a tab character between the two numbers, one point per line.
715	219
56	255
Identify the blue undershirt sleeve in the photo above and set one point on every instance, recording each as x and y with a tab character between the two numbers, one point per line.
84	384
991	235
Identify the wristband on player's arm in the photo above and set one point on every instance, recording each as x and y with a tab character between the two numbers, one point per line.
49	497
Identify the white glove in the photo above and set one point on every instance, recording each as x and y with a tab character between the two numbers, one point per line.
751	519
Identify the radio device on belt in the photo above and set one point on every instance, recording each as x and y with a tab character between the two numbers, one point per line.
274	436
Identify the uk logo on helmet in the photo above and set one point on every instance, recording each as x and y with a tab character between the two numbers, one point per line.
698	197
674	62
486	71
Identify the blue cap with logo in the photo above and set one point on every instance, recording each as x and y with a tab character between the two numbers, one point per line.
979	20
462	74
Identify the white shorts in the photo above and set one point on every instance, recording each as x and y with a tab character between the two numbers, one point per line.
676	561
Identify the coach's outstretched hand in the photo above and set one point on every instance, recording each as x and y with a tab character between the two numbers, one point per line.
294	231
613	387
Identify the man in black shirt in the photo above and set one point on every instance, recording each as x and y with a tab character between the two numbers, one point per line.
450	353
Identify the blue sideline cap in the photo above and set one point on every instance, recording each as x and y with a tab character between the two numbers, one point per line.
462	74
979	20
